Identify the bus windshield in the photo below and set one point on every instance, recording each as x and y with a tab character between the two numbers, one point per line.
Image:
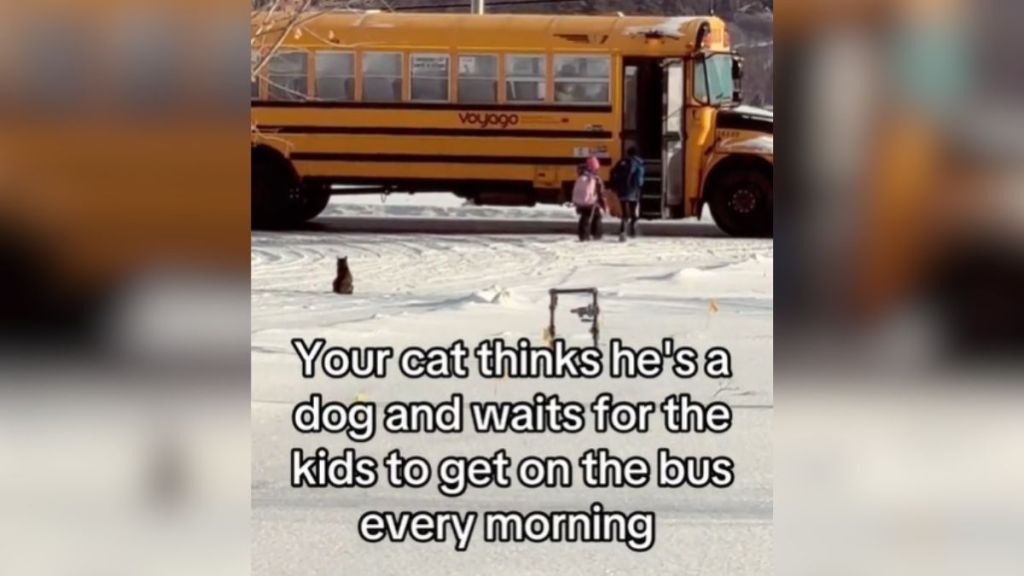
713	79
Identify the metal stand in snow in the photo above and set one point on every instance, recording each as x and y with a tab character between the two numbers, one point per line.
588	314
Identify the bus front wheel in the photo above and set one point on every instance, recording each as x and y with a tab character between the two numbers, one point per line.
741	204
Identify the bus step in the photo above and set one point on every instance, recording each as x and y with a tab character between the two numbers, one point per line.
650	206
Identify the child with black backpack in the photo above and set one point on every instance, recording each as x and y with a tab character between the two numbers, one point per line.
627	179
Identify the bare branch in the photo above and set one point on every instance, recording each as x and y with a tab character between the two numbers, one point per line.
294	20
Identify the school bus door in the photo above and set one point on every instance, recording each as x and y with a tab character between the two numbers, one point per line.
673	138
653	96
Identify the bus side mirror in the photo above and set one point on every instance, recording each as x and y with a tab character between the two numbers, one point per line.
737	78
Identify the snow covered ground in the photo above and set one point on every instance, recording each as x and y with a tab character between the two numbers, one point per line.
436	205
429	290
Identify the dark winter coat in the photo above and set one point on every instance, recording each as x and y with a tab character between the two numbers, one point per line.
635	179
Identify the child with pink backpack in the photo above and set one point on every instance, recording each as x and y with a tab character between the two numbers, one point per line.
588	197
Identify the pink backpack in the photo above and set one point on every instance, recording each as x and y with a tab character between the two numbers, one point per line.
584	192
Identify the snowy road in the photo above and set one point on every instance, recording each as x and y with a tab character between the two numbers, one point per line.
427	290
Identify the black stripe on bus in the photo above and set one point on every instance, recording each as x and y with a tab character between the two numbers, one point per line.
497	108
456	132
436	158
741	122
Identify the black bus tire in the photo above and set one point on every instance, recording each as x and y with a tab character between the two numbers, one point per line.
311	202
273	183
742	203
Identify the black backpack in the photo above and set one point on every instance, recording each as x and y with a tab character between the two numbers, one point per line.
620	175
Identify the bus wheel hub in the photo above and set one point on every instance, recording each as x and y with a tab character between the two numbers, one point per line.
743	201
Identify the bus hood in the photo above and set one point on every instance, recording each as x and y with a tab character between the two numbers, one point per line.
759	144
747	118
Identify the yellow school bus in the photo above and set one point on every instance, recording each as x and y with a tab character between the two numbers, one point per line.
501	109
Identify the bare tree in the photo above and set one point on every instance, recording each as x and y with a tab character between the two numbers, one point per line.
272	22
271	25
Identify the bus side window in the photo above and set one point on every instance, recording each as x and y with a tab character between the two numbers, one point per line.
582	79
429	77
700	82
382	76
287	76
525	78
335	76
478	78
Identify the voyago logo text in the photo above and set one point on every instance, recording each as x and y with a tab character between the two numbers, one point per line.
488	120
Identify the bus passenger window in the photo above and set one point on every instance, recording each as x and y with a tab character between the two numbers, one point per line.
582	79
478	78
335	76
287	74
429	77
382	76
525	78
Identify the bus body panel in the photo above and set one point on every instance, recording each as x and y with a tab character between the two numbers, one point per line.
408	144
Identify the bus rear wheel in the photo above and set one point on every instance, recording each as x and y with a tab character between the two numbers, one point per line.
741	204
273	187
310	202
278	198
